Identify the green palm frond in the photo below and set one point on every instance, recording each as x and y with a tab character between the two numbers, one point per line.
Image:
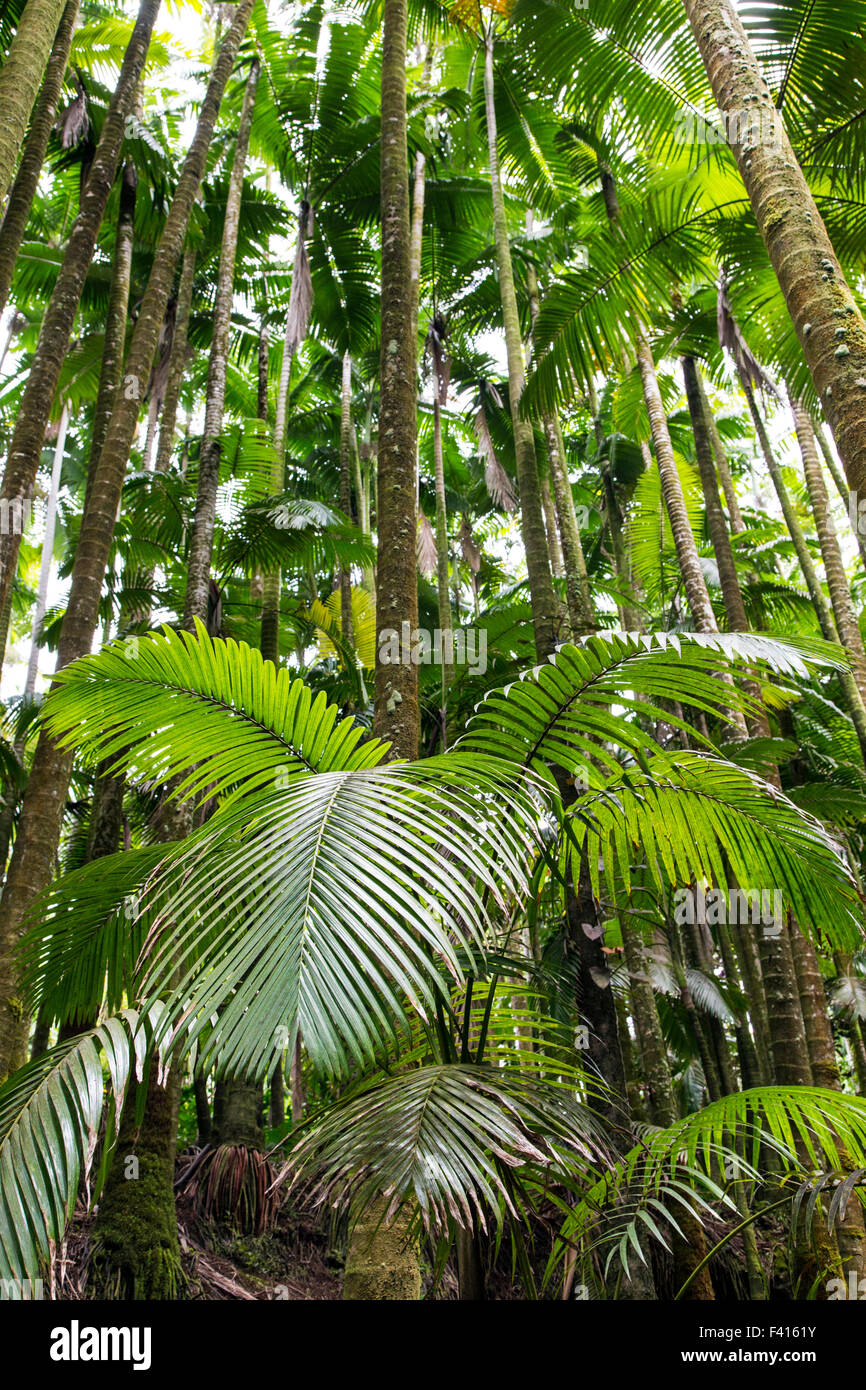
212	712
342	902
692	818
561	712
50	1113
452	1139
810	1131
86	936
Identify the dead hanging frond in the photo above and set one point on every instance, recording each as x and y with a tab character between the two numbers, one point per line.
425	547
435	347
301	297
232	1185
496	480
73	124
468	549
731	338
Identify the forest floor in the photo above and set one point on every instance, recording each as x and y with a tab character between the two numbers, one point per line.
301	1256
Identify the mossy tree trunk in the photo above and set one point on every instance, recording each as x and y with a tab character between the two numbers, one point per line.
381	1262
135	1252
33	156
396	712
20	79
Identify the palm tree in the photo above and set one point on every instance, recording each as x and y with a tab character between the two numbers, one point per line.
21	76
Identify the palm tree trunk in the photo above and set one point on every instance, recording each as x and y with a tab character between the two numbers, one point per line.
834	569
443	593
554	547
850	689
135	1251
201	542
114	340
417	232
735	516
695	586
396	717
731	595
176	365
577	592
850	1232
20	78
825	316
381	1261
295	330
346	624
33	157
854	513
47	555
42	813
39	392
690	1248
545	613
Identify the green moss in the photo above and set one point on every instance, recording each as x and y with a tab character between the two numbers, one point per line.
381	1262
136	1254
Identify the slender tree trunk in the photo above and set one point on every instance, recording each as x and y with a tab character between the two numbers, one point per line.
381	1261
346	623
577	592
42	813
177	364
731	596
834	569
443	593
417	234
545	614
201	542
396	717
554	547
735	516
33	157
114	340
687	552
825	316
690	1248
38	397
855	514
850	689
47	556
296	325
20	78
